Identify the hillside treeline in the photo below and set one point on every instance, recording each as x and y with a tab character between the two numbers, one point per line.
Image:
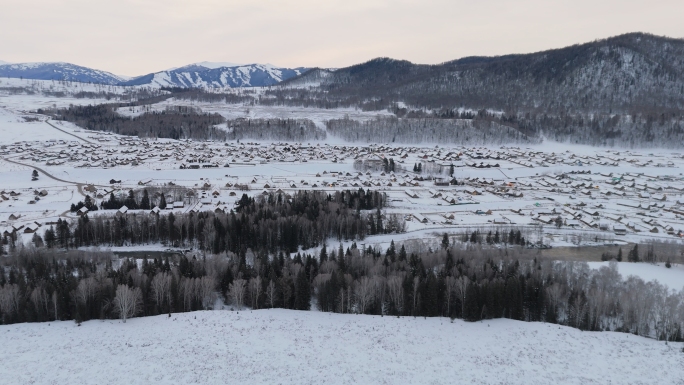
458	281
64	89
174	124
426	130
627	90
622	74
297	130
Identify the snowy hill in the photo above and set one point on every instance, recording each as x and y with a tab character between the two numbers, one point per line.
290	347
58	71
207	74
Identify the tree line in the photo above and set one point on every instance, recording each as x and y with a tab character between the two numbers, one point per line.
267	223
426	130
466	281
297	130
171	123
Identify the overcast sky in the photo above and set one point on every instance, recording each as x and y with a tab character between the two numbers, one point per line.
135	37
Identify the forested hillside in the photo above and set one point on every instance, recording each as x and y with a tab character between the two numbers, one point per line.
625	90
616	75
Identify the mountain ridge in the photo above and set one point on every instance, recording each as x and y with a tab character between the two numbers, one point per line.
58	71
641	67
196	75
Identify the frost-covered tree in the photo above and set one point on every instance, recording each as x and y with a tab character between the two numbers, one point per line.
127	302
236	292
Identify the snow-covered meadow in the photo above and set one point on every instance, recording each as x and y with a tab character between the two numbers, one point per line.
291	347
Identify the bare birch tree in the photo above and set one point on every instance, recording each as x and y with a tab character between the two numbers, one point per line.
236	292
255	291
461	288
161	289
86	290
9	299
395	290
363	291
41	300
206	290
271	293
127	302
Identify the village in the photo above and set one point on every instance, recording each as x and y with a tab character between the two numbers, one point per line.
431	187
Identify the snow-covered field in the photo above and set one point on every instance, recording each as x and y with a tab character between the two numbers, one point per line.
290	347
14	128
234	111
673	277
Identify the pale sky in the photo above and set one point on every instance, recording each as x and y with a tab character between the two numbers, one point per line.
136	37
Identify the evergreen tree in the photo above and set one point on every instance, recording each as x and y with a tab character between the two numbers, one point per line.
379	228
445	241
633	255
430	300
50	237
145	202
472	306
449	264
324	254
130	201
162	202
302	292
402	253
391	252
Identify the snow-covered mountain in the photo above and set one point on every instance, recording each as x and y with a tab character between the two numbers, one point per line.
4	62
201	74
207	74
58	71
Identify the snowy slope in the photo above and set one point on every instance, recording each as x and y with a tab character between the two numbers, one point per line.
204	75
290	347
58	71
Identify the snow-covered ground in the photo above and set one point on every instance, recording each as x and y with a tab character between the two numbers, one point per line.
290	347
673	277
234	111
592	190
14	128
